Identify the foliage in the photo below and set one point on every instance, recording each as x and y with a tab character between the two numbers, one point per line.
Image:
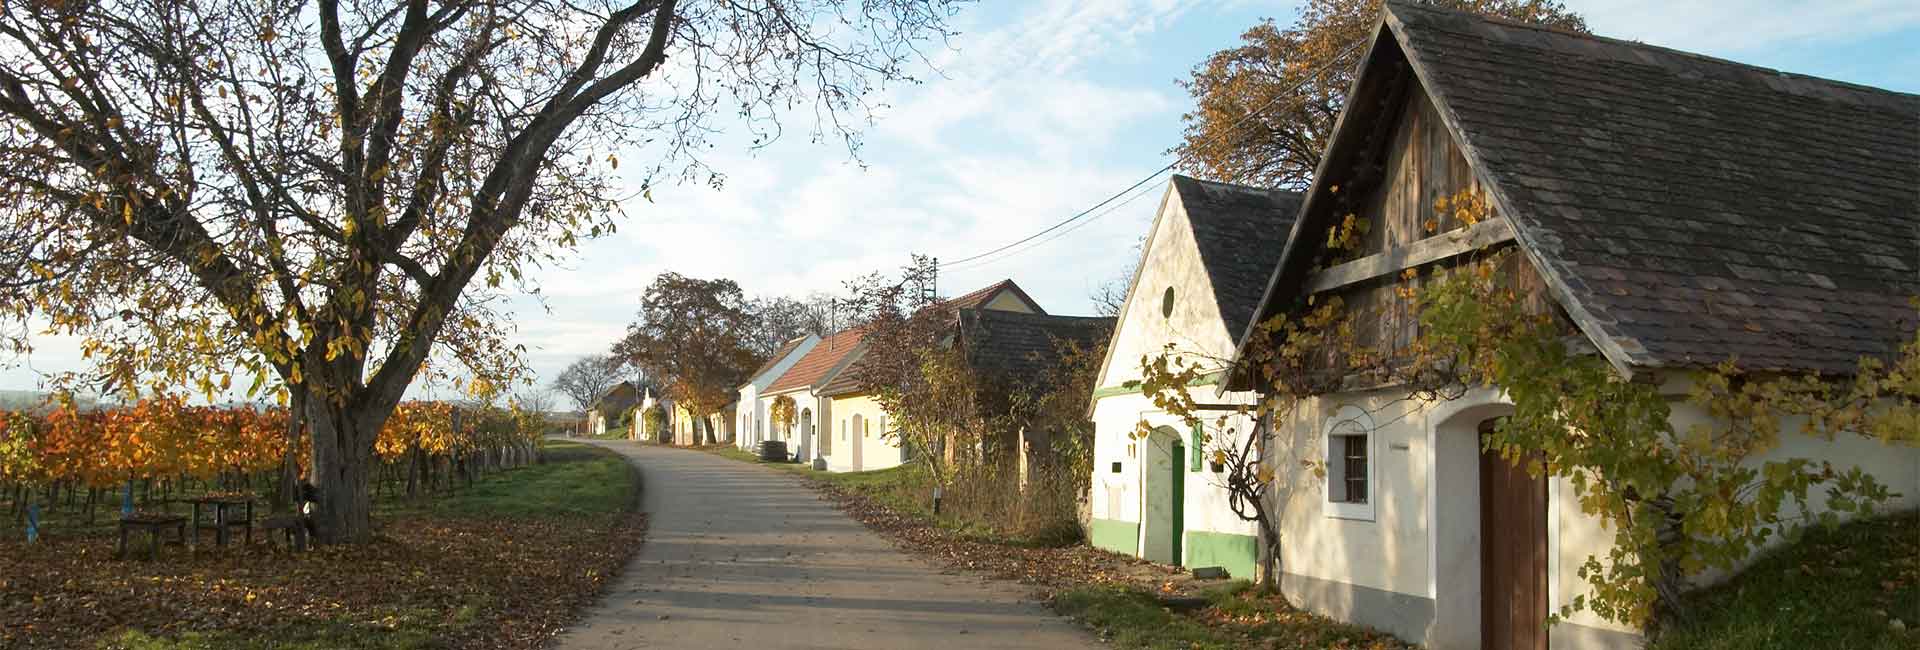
1292	355
1680	501
1834	588
162	439
302	195
587	379
784	413
1713	495
776	321
1055	404
654	423
505	565
160	436
1263	110
925	387
693	335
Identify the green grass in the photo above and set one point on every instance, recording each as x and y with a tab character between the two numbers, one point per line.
293	637
1130	618
1838	588
1235	616
573	478
730	451
908	490
611	434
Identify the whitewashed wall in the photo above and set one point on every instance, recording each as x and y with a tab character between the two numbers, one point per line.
1423	539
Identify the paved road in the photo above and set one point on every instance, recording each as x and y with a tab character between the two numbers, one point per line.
739	556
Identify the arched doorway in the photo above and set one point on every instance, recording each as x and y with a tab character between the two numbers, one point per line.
805	448
1513	550
1162	494
1490	553
857	439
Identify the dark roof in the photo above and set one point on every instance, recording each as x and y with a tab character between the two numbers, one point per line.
1685	210
819	361
847	381
1023	346
1240	231
779	354
980	298
617	398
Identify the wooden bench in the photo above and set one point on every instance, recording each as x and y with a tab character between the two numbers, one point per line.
153	525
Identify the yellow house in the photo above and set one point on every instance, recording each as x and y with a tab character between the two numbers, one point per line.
856	437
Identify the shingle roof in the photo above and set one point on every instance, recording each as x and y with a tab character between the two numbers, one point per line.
1018	346
778	355
1685	210
814	366
1240	231
1698	209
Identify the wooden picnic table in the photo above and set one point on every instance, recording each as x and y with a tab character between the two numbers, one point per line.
153	524
224	508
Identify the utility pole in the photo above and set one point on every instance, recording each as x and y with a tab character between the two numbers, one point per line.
930	289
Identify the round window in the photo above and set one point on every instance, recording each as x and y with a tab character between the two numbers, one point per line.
1166	303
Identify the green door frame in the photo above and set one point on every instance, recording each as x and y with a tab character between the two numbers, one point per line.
1179	499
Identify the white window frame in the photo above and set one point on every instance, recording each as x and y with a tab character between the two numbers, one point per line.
1350	420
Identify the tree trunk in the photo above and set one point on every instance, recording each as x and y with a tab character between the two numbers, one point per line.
342	460
287	492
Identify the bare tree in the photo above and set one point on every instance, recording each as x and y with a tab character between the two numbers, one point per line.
536	400
777	320
301	192
586	379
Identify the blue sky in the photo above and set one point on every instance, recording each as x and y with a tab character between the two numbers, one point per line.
1042	109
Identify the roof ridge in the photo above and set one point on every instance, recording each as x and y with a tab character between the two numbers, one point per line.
1395	5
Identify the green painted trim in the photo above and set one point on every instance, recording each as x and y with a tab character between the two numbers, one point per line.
1133	387
1197	448
1117	536
1235	553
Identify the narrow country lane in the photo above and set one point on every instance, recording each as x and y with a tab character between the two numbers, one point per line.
739	556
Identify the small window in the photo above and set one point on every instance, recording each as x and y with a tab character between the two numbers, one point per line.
1116	467
1348	444
1166	303
1351	453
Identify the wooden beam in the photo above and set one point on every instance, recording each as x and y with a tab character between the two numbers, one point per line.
1425	251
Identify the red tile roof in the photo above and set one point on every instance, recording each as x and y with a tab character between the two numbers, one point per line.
814	367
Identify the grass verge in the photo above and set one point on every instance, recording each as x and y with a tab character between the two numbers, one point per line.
1234	616
1840	588
504	564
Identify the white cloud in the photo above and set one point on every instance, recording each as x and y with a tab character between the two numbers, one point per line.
1730	27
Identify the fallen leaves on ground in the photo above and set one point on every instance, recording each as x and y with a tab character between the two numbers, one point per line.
466	582
1248	619
1046	568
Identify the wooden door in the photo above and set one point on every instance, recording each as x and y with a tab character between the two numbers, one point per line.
1513	554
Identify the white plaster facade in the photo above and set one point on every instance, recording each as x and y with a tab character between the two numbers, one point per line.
1171	302
752	424
1413	567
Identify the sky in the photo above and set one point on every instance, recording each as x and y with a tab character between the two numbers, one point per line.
1038	110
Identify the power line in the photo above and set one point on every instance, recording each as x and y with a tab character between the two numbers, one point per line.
1110	210
1069	220
1335	60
